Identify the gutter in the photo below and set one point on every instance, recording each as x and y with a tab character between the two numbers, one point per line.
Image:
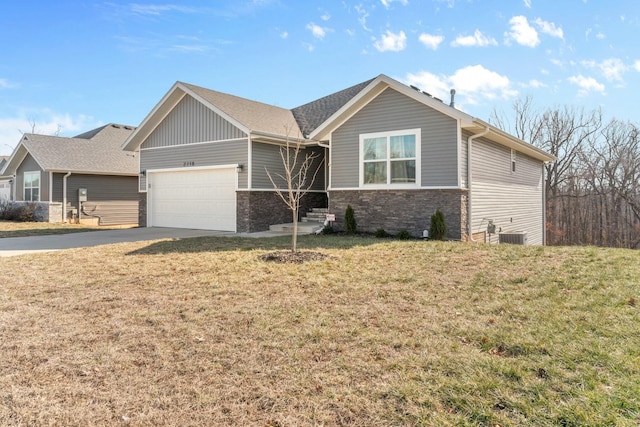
64	197
470	179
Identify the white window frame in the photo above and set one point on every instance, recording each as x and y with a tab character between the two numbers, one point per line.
24	186
404	185
512	164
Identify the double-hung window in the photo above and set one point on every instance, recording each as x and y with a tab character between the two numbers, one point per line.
390	159
32	186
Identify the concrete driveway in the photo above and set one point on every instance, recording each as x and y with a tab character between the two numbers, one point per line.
13	246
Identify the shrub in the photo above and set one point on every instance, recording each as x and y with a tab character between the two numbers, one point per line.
438	228
21	212
328	230
350	220
403	235
380	233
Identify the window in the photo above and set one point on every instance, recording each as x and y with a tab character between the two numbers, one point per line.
513	161
32	186
390	158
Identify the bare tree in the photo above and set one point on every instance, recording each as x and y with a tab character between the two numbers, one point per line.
298	176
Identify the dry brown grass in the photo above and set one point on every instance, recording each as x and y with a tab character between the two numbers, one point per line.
23	229
202	332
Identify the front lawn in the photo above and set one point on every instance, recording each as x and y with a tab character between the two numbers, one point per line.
203	332
25	229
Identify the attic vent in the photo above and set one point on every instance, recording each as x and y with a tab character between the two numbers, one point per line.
515	238
427	93
414	88
115	126
128	127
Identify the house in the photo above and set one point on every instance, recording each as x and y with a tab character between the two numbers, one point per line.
5	181
86	177
391	151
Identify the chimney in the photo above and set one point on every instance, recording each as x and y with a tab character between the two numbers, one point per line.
453	96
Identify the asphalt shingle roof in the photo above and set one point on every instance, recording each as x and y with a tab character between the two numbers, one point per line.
96	151
311	115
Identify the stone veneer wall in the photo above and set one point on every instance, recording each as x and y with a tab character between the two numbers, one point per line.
395	210
257	210
142	209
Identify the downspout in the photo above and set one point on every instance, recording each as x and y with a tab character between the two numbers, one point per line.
64	197
470	180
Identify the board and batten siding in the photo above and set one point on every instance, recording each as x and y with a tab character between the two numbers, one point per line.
267	157
29	164
196	155
513	200
191	121
192	135
392	111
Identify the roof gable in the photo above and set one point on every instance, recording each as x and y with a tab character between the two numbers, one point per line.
97	151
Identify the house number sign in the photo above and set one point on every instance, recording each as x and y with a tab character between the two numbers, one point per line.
190	163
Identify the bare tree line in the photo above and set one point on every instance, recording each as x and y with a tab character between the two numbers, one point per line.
593	189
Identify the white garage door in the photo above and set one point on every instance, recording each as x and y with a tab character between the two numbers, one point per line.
200	199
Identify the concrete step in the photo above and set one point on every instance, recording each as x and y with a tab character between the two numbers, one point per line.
317	216
303	227
320	210
318	220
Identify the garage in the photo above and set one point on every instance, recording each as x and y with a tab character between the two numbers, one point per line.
201	199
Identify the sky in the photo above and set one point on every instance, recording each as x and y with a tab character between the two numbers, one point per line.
68	66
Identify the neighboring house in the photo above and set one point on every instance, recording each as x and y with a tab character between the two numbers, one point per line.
5	181
52	170
392	152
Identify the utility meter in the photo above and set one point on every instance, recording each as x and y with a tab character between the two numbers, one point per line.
82	194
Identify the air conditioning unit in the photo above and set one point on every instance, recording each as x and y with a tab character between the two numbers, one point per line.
514	238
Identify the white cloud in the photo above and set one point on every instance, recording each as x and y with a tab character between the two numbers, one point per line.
586	84
387	3
527	3
636	65
477	39
391	41
6	84
601	36
612	69
317	31
431	41
362	16
157	9
325	17
522	33
549	28
472	83
284	35
46	122
536	84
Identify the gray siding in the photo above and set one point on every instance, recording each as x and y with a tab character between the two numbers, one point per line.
189	122
464	161
196	155
30	165
99	187
111	197
393	111
268	156
514	201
